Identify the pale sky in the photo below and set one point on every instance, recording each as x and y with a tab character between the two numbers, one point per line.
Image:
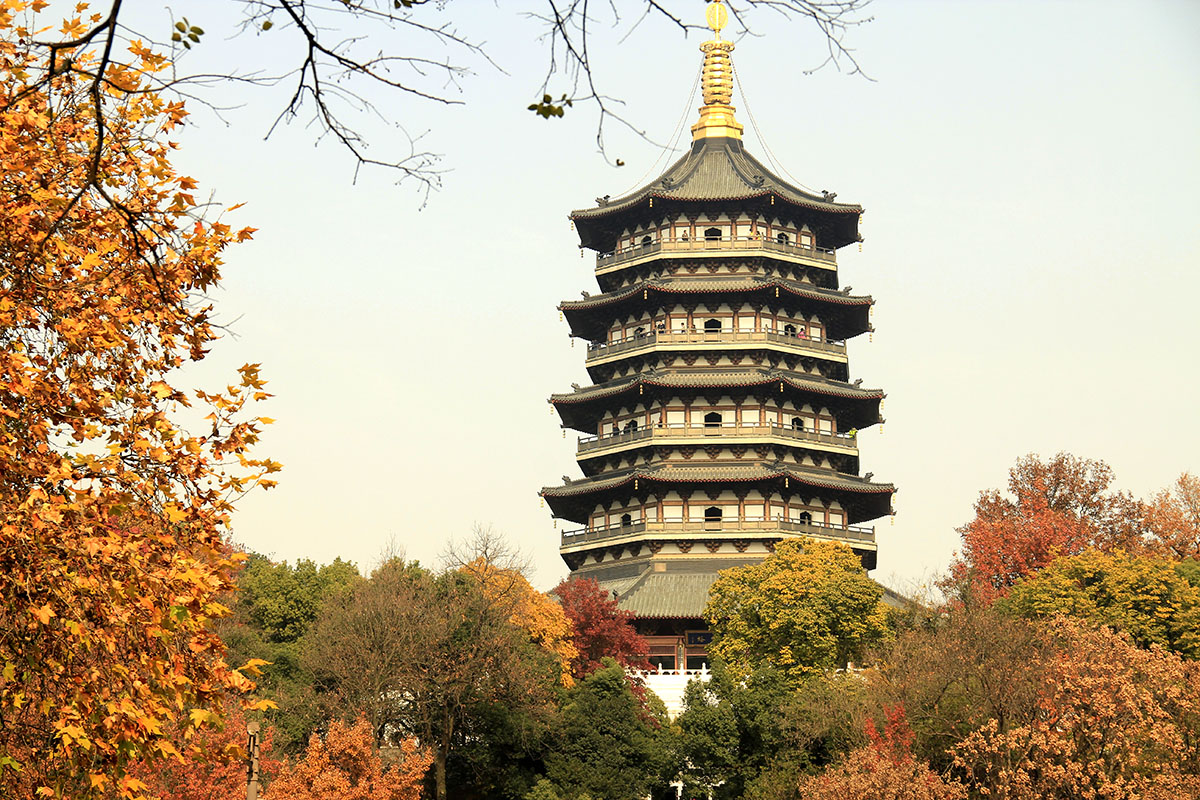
1030	174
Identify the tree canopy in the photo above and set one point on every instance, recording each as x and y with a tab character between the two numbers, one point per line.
427	655
1057	507
599	629
115	484
344	765
1142	596
809	606
1113	720
1174	517
604	746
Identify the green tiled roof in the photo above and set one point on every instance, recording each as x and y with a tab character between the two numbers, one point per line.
683	595
667	594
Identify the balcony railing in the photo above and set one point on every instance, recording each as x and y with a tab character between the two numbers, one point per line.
598	350
680	431
709	528
679	245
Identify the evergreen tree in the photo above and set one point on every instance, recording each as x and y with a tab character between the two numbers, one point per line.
605	746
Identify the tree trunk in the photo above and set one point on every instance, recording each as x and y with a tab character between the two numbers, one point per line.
439	769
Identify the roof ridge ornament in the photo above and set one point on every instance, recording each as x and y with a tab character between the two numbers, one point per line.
716	115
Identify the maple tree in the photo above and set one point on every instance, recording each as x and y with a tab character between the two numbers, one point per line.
599	628
344	765
1114	721
1143	596
213	766
112	513
806	607
1174	517
1057	507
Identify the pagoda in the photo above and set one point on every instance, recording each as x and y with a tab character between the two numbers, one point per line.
721	417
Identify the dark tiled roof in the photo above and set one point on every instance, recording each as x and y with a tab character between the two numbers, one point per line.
718	169
715	285
824	479
716	380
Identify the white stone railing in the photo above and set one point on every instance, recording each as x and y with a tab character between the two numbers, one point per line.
652	337
740	243
680	431
701	528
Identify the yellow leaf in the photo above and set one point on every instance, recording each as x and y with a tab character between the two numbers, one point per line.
252	666
174	512
199	716
44	614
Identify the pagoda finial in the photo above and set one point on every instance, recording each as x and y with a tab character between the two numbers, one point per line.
716	115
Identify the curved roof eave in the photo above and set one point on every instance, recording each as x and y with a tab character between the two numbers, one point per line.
849	483
715	170
745	379
704	287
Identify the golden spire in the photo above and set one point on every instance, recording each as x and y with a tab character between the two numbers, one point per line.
716	115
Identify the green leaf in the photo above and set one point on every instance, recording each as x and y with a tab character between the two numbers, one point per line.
547	107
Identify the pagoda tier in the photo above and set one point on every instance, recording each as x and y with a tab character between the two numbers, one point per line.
687	302
859	498
722	417
715	174
665	247
675	396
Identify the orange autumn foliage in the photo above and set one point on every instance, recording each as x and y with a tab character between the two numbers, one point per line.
1054	508
112	514
212	766
344	765
1174	517
1114	721
883	770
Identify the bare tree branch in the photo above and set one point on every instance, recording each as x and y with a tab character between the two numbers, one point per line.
348	49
